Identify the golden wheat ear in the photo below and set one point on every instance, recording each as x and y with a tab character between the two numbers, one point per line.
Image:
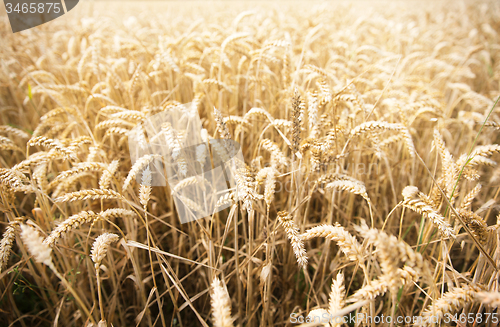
101	246
221	305
292	233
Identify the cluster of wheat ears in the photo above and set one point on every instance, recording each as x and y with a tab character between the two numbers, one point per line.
369	186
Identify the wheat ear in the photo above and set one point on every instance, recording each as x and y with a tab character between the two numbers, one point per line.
467	200
221	125
449	302
374	127
101	246
8	238
107	175
51	144
72	222
145	188
372	289
292	231
270	186
347	243
79	168
476	224
276	154
40	251
350	186
42	254
93	194
138	166
221	305
413	201
337	295
297	108
489	298
317	315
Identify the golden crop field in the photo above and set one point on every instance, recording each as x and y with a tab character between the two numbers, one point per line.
369	189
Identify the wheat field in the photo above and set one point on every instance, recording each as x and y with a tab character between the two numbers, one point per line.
369	132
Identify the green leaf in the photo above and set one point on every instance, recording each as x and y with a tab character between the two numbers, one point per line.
30	95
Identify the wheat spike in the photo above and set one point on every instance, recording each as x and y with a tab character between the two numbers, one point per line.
489	298
393	253
347	243
229	197
101	246
270	186
51	144
313	114
34	242
317	316
79	168
476	224
221	305
107	175
297	107
138	166
374	127
408	141
14	131
40	175
8	238
418	205
449	168
221	125
173	141
350	186
67	225
469	197
479	151
8	144
145	188
292	232
449	302
191	181
275	151
15	181
372	289
337	295
93	194
244	183
192	205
